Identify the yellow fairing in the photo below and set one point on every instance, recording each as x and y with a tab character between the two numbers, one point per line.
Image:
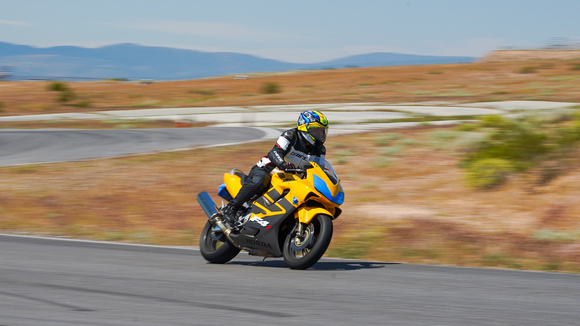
290	194
233	183
305	214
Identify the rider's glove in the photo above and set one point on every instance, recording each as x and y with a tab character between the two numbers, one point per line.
285	166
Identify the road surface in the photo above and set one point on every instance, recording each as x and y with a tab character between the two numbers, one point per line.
62	145
58	283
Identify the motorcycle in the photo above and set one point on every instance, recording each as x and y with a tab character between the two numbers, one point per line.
292	219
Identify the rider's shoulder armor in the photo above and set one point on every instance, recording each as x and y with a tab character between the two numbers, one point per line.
290	133
288	138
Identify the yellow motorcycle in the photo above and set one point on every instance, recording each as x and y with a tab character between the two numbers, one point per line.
292	219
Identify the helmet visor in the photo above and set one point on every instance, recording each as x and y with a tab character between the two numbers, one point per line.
319	133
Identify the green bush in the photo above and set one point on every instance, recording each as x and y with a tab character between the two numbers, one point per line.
271	88
82	104
57	86
467	126
388	151
206	92
66	95
493	121
409	142
543	143
520	142
488	173
386	138
444	135
528	70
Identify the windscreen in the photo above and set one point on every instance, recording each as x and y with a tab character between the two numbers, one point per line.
329	170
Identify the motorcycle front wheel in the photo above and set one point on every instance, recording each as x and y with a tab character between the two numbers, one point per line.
214	246
304	250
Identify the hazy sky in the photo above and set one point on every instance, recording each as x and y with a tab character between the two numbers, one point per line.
296	31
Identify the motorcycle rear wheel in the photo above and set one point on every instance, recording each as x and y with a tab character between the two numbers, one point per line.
217	251
320	229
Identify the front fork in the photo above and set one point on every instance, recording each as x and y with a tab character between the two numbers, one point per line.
299	228
303	237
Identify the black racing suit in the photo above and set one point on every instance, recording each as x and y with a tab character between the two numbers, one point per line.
291	147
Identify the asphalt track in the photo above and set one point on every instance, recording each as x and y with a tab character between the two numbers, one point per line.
58	283
62	145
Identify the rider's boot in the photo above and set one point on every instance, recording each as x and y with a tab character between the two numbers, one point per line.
230	213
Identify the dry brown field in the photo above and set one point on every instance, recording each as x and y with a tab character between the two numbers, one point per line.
406	196
532	79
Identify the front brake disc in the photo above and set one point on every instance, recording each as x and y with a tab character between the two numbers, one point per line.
301	241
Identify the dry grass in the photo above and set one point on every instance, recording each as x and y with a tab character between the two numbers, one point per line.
418	209
534	79
413	207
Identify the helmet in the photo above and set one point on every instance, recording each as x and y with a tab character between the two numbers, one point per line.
314	126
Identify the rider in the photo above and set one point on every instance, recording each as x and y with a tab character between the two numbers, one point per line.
298	146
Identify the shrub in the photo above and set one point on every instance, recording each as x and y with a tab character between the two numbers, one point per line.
57	87
527	70
492	121
544	145
520	142
387	151
385	139
83	104
66	95
408	142
488	173
271	88
444	135
206	92
467	126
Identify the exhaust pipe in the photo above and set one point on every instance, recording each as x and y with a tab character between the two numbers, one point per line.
215	218
205	201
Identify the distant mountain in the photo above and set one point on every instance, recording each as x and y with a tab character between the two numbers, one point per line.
133	61
394	59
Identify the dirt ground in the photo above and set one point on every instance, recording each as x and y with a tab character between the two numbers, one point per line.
406	196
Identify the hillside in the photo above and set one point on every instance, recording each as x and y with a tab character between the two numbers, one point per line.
132	61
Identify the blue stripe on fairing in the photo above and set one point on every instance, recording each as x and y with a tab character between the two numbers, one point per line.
321	186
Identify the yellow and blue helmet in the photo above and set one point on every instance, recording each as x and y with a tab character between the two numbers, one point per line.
313	125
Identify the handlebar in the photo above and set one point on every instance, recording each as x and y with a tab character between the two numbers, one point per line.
299	170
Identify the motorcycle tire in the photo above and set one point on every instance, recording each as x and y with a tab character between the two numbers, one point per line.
322	234
218	251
